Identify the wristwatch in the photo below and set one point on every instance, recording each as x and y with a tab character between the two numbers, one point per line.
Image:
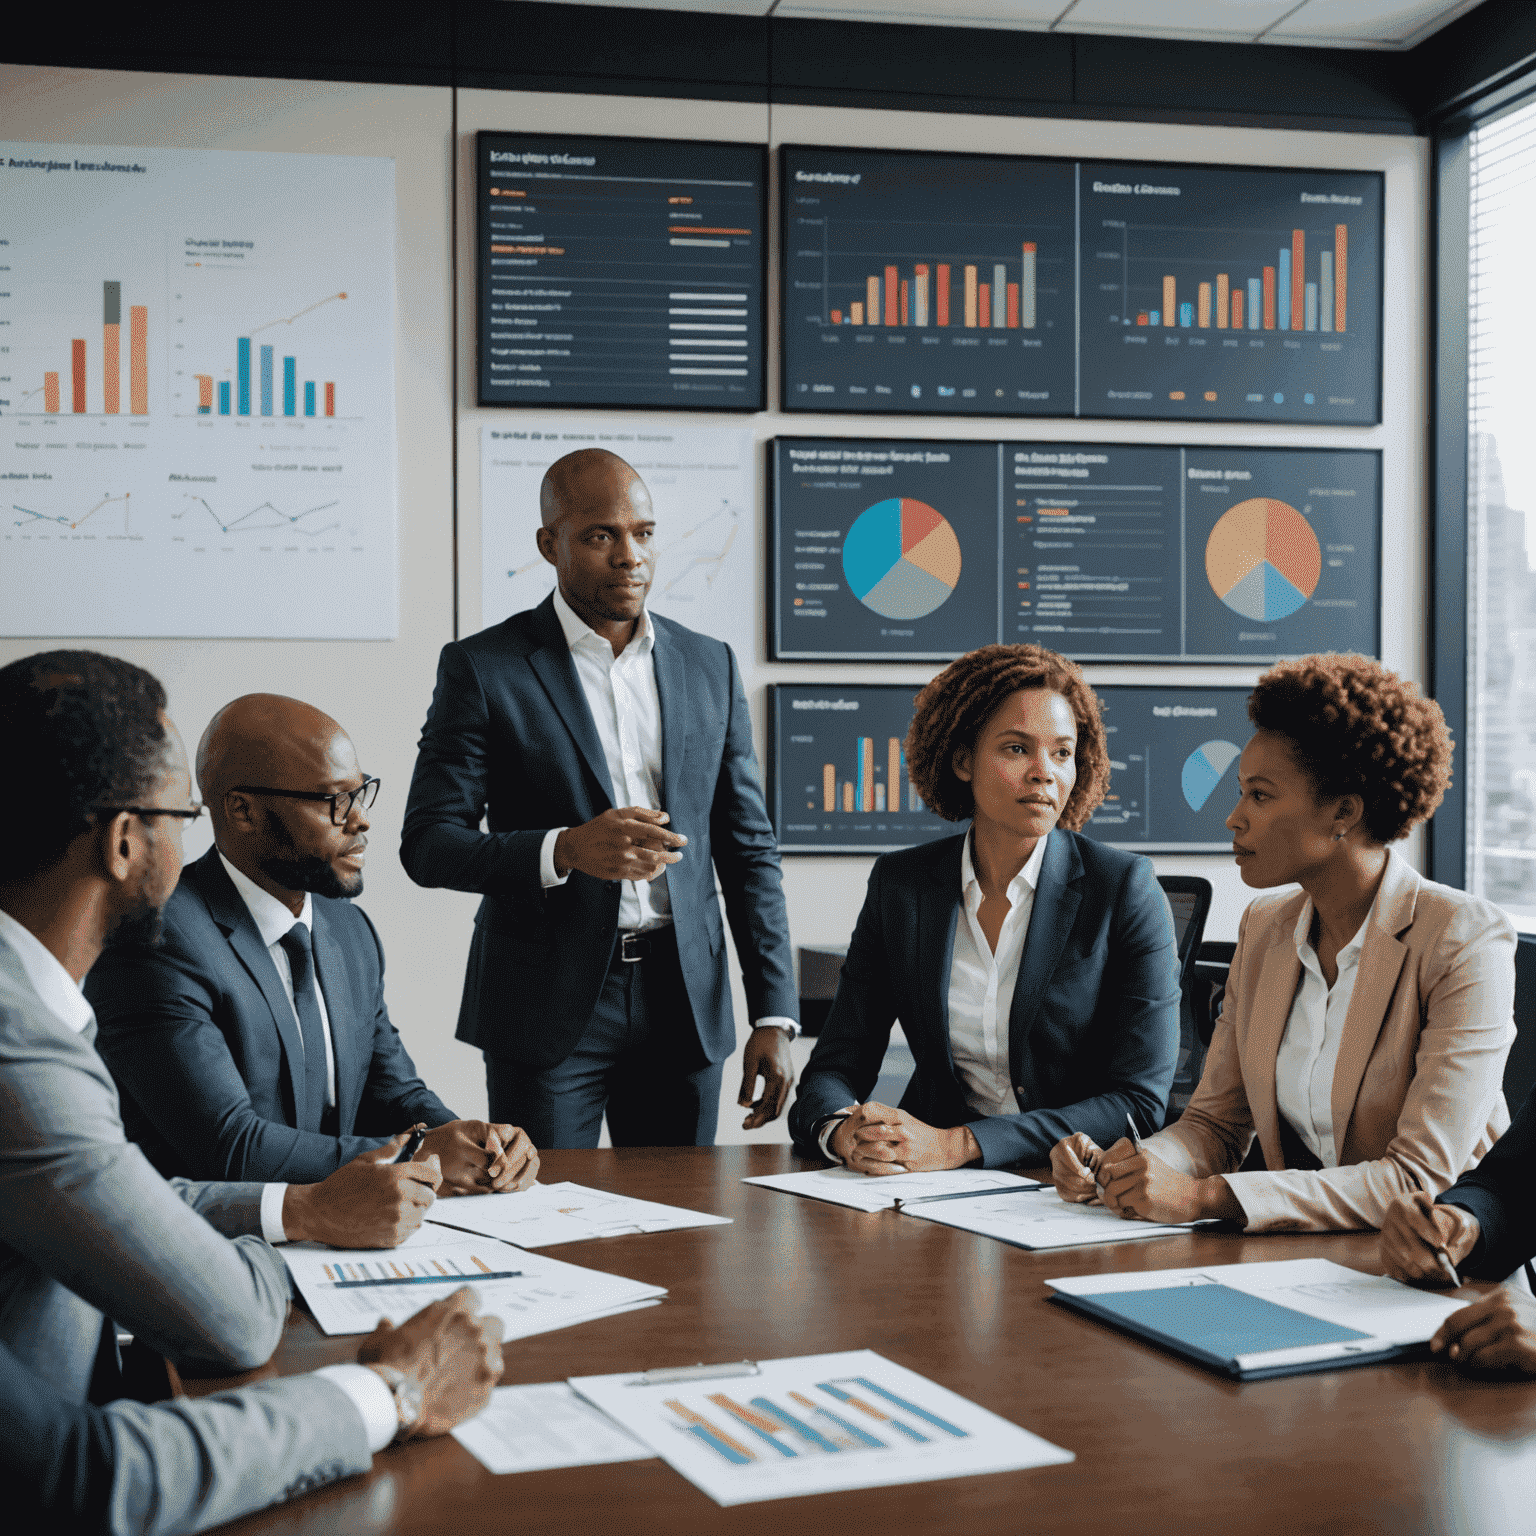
408	1399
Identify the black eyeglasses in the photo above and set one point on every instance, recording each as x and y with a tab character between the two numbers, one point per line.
190	814
341	802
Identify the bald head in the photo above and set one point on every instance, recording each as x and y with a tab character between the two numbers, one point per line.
590	478
266	739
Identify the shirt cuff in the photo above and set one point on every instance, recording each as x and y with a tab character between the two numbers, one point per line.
371	1396
272	1215
547	875
824	1135
774	1021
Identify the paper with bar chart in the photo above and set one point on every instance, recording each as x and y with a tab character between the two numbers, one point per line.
927	283
620	272
837	770
350	1290
200	394
549	1214
702	487
884	551
815	1424
1230	293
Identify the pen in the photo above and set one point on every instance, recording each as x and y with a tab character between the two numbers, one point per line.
1130	1120
978	1194
1448	1267
413	1146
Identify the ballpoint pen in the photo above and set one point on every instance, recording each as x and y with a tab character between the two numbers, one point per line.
413	1146
978	1194
1448	1267
1130	1120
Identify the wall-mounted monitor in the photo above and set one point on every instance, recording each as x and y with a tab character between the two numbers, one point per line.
908	550
838	782
977	285
620	272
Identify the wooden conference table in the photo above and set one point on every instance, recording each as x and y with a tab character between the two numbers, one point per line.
1161	1445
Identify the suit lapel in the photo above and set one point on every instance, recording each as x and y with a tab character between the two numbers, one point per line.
672	688
1381	962
1279	973
938	911
553	667
234	919
1050	924
345	1017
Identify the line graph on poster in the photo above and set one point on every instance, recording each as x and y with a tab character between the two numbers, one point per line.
309	522
109	516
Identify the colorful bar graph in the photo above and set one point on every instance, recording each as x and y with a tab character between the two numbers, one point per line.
111	348
138	359
309	397
224	397
51	393
266	381
290	387
243	374
77	376
711	1433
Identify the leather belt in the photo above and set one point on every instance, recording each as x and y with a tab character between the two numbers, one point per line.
633	947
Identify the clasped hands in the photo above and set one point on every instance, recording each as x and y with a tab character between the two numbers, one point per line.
878	1140
628	843
1134	1184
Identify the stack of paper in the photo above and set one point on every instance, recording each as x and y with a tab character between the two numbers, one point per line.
528	1429
1042	1220
350	1290
812	1425
564	1213
863	1193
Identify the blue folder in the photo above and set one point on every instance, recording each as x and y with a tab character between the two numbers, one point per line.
1231	1331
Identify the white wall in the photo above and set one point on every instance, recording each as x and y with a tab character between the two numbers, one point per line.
380	690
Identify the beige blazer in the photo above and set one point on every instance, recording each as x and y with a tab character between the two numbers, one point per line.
1416	1093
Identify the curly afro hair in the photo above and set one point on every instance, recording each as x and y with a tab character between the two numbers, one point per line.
1355	728
954	708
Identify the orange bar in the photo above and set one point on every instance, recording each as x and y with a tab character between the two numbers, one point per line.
1298	280
1203	307
828	787
893	774
1340	274
872	301
1170	301
905	311
837	317
690	1417
1269	298
1013	306
1237	309
869	774
1143	318
847	795
204	391
747	1415
856	313
970	298
138	360
330	399
51	393
111	369
984	305
694	229
890	295
77	376
941	298
1221	301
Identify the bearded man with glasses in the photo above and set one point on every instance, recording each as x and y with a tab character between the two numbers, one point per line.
253	1042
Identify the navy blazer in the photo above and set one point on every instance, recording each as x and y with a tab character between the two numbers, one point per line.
510	738
206	1050
1093	1025
1498	1193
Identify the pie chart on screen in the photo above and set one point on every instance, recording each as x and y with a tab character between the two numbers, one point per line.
1263	560
901	558
1204	769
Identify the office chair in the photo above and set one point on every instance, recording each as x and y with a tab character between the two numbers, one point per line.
1190	898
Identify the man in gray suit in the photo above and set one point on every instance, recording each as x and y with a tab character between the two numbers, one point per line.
92	1236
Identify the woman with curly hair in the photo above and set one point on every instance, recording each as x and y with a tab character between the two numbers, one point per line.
1033	970
1367	1015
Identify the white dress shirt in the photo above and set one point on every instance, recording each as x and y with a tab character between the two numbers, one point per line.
1309	1049
621	692
59	991
272	921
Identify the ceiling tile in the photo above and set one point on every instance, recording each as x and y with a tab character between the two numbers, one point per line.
1399	23
1027	15
1234	20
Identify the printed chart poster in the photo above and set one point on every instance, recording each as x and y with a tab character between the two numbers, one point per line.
1230	293
927	283
1093	558
1173	767
884	551
837	770
625	272
199	434
1283	552
701	485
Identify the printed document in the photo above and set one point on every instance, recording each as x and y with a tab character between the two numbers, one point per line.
565	1213
1042	1220
863	1193
529	1429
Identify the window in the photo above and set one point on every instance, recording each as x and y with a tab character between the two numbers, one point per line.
1497	757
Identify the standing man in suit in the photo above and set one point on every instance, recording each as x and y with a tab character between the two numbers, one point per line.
612	752
253	1041
91	1236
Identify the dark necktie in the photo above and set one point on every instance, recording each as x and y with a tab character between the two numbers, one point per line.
306	1004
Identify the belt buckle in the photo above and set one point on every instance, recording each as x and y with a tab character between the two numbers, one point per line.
633	947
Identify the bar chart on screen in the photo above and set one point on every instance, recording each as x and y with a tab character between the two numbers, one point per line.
200	389
1230	294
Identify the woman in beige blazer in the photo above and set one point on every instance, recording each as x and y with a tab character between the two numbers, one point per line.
1367	1015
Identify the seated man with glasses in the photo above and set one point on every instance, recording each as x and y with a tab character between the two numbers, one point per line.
253	1042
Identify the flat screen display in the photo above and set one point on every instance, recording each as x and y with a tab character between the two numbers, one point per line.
621	272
